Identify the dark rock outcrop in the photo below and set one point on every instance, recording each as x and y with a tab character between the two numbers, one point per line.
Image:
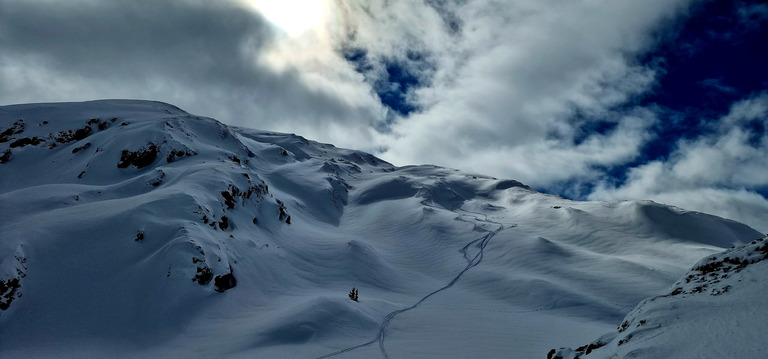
6	156
224	282
177	154
24	141
16	128
140	158
203	275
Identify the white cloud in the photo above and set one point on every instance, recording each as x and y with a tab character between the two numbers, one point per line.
495	76
501	90
718	173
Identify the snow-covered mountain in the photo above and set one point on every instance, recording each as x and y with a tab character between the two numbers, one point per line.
716	310
134	229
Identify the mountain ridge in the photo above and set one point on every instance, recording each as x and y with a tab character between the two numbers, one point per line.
680	323
199	238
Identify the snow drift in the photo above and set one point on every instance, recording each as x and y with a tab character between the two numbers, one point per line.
716	310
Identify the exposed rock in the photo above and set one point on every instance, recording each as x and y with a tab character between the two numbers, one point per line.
235	159
8	291
562	353
175	154
73	135
229	199
34	141
101	125
225	282
154	182
6	156
15	129
224	223
203	275
78	149
586	349
283	216
233	193
140	158
10	288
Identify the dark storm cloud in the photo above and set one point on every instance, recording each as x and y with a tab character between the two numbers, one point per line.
200	55
136	38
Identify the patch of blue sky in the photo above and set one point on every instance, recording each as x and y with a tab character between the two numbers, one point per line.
705	62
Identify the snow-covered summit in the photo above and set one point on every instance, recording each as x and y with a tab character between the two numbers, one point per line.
132	228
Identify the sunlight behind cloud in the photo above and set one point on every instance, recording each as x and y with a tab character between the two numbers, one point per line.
292	16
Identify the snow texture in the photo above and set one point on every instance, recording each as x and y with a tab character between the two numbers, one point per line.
135	229
716	310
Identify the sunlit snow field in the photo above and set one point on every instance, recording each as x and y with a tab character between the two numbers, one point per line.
448	264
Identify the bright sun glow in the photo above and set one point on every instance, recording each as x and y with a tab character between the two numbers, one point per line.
292	16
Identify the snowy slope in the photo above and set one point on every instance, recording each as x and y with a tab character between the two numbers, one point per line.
134	229
716	310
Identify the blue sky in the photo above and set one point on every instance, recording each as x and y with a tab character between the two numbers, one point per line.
613	100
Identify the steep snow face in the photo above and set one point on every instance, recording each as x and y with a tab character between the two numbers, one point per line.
132	228
716	310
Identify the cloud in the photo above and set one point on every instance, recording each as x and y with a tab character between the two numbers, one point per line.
499	82
206	57
551	93
720	173
414	78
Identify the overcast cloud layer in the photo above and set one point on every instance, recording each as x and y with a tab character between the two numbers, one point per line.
551	93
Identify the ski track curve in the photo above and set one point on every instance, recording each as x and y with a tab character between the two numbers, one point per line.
472	261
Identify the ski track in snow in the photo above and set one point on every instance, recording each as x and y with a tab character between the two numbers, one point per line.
472	261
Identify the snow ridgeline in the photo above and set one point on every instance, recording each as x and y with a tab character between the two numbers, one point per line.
134	229
716	310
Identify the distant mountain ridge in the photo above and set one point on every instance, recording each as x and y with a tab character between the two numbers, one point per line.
132	228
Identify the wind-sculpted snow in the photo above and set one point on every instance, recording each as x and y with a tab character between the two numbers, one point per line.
716	310
135	229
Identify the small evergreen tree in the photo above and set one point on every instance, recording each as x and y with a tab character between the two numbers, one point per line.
353	294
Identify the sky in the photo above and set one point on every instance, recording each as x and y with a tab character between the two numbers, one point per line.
590	100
